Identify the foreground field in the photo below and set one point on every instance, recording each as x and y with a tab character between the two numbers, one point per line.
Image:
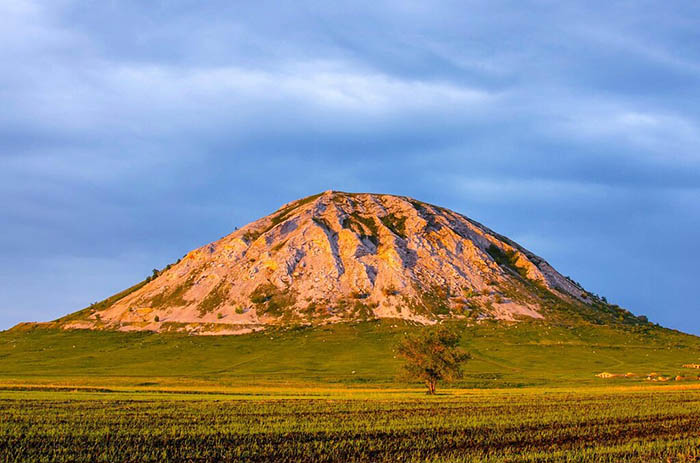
579	425
332	394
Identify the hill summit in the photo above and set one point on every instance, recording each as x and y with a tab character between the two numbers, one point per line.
336	257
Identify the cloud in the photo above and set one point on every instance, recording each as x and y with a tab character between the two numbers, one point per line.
659	134
135	132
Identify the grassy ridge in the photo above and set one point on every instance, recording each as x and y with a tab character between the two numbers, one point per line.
603	425
104	304
524	354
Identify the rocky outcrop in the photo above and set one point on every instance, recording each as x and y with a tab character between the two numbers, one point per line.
335	257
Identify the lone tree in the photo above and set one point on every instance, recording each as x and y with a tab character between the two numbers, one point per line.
433	356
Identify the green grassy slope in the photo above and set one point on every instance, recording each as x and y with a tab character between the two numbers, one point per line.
523	354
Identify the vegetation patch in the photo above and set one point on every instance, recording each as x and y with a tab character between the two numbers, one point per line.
569	310
470	308
284	213
316	309
270	300
426	215
174	297
214	299
251	235
104	304
396	224
363	310
469	293
365	227
436	300
507	259
322	223
279	246
156	273
390	290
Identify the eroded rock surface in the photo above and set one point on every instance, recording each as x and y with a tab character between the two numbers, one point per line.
335	257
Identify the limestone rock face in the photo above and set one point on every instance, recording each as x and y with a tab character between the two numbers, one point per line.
337	257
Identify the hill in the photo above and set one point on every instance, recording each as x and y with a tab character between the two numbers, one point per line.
348	257
323	289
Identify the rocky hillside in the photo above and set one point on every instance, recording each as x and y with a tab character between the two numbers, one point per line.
338	256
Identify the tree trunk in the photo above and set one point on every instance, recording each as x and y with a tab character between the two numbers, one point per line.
431	387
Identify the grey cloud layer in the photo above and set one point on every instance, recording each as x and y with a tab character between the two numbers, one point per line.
132	132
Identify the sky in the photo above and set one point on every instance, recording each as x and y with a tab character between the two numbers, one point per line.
132	132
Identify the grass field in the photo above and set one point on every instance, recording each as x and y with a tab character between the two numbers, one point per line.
519	355
633	424
333	393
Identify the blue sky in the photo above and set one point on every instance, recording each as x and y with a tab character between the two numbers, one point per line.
132	132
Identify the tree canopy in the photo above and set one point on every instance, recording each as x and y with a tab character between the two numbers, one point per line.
433	356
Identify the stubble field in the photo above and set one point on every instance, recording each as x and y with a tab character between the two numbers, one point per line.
609	424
